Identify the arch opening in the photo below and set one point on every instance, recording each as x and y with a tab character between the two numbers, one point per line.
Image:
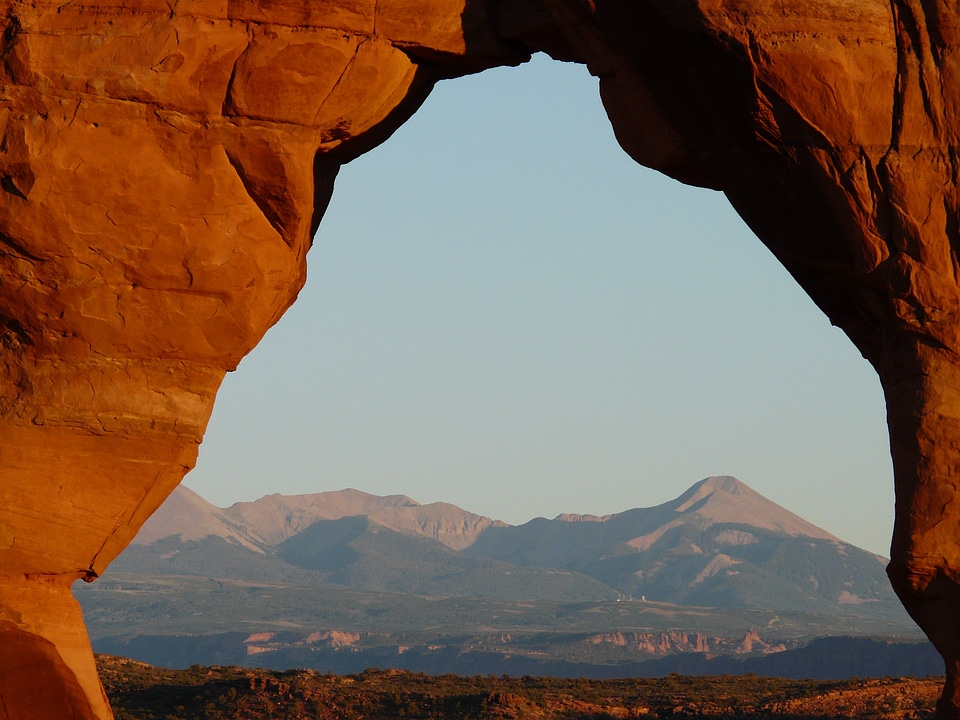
500	300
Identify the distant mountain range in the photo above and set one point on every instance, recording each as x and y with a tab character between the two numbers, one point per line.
271	520
720	569
720	544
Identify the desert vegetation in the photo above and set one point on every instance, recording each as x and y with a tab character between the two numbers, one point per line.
141	692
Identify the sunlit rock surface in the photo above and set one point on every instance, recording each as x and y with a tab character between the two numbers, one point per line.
163	166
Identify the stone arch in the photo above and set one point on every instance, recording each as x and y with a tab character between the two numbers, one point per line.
832	129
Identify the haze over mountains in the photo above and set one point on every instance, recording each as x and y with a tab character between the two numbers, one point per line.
345	580
274	518
719	544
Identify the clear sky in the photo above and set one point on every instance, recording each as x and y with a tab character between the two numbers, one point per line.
505	312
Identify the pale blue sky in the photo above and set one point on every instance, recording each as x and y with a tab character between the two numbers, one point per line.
505	312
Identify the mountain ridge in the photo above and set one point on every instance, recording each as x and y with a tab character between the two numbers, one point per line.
438	583
274	518
718	544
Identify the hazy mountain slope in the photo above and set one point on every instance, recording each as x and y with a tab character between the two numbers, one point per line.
734	565
719	544
188	516
278	517
443	522
354	552
570	538
209	557
725	499
274	518
337	579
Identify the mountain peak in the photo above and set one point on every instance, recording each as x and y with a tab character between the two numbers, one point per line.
720	483
189	516
725	499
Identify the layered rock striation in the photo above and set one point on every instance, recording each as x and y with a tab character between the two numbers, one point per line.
164	164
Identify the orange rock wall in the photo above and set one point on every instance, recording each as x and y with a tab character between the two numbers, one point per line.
162	171
164	164
832	128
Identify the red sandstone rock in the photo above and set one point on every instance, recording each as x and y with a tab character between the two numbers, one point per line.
832	127
163	166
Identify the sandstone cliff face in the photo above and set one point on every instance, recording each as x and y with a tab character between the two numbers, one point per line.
163	166
162	170
832	128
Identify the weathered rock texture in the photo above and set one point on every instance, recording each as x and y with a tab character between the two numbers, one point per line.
164	163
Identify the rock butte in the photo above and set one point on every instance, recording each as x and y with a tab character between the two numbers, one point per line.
164	164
